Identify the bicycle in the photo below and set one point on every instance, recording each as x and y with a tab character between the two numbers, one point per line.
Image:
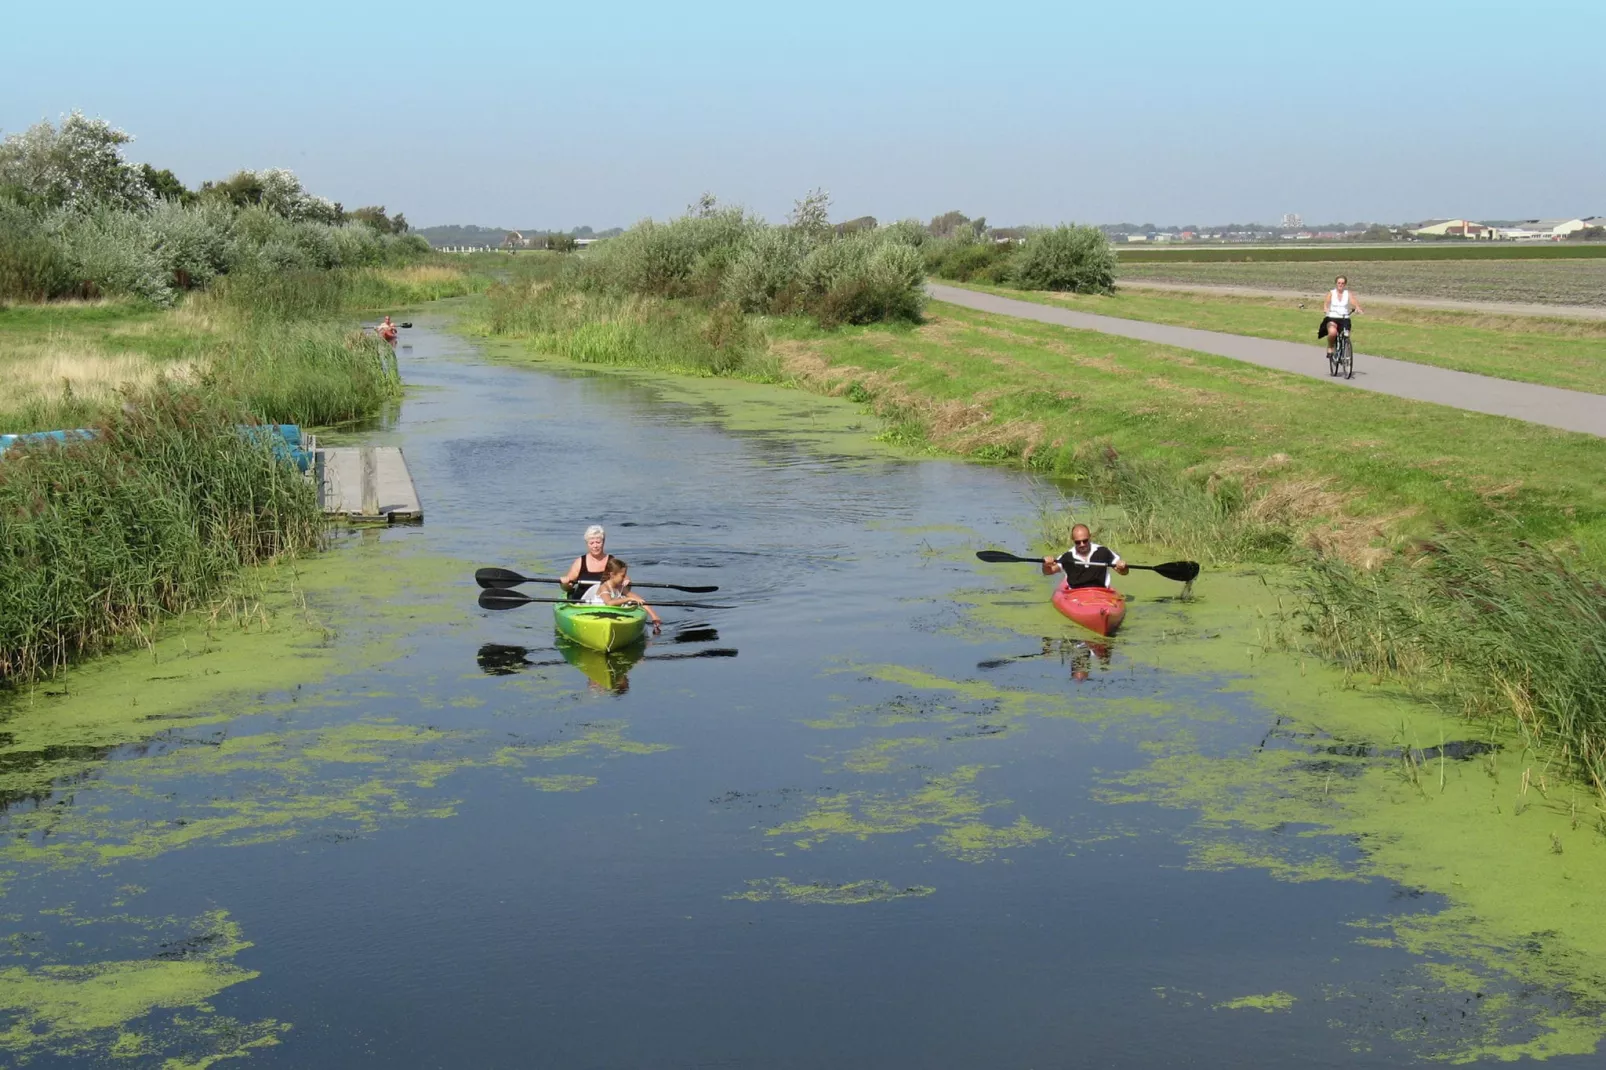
1341	361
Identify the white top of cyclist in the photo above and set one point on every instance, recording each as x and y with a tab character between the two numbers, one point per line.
1338	303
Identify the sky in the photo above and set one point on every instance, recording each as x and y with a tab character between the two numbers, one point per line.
532	114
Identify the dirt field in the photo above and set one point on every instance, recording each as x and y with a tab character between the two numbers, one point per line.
1548	282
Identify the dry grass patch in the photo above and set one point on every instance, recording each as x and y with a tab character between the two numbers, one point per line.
41	373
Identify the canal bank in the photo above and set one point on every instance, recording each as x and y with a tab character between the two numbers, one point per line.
896	828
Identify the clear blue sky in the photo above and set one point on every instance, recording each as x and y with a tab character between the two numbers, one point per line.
522	114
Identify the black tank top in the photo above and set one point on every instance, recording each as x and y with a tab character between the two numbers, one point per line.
587	574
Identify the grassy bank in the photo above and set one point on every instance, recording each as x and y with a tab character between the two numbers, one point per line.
101	538
1304	252
156	514
1542	282
1567	353
1218	460
285	346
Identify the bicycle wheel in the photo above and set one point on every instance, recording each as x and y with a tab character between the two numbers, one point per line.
1347	357
1332	359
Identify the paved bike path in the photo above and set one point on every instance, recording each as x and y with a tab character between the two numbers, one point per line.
1570	410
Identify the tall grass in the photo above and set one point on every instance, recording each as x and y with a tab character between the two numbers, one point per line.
610	329
100	538
1495	629
301	295
1214	514
305	372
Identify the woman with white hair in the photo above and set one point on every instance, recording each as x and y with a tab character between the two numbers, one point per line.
590	567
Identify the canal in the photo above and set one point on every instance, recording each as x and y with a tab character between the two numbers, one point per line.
886	810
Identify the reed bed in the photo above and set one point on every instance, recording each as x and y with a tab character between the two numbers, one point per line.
305	373
1493	629
612	329
155	515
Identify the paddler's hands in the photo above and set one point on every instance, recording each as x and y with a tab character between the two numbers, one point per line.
1120	569
1050	566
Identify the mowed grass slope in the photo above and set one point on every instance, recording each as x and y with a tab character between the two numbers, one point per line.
1566	353
1366	469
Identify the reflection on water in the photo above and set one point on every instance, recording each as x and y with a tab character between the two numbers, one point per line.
876	838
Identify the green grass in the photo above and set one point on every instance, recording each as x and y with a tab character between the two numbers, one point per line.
1334	253
1567	353
1350	468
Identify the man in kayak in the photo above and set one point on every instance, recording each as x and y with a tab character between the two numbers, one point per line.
387	331
1086	563
590	567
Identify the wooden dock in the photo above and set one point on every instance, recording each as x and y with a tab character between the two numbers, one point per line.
367	483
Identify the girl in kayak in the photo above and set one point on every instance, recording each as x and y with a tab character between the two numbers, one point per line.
614	591
1086	563
591	567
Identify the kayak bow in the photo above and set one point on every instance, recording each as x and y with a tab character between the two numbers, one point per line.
604	628
1098	609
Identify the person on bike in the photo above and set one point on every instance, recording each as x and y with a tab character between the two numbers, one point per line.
1335	314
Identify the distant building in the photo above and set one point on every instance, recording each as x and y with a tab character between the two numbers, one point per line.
1455	228
1293	221
1543	229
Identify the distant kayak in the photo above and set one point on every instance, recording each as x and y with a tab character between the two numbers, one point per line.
1098	609
604	628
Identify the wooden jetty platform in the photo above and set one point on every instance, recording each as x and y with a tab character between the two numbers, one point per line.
367	483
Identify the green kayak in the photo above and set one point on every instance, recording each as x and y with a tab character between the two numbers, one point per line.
604	628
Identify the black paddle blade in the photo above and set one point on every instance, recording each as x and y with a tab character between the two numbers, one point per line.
997	557
502	598
1181	571
498	577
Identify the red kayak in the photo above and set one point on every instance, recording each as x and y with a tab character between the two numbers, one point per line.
1098	609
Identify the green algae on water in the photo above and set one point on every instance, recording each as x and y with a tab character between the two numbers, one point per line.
783	890
1270	1002
570	782
135	1007
945	804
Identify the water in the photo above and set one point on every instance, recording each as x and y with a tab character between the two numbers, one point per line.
810	852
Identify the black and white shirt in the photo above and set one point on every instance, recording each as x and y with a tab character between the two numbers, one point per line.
1091	569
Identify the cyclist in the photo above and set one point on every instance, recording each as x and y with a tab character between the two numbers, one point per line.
1340	303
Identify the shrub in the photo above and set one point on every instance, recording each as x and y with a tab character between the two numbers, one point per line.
764	273
113	252
33	266
191	243
964	260
1072	258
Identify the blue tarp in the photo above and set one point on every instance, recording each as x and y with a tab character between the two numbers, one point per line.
285	440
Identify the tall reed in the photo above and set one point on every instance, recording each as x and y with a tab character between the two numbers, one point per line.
305	373
1495	629
100	538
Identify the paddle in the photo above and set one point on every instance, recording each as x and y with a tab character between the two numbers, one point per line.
503	577
1181	571
502	598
